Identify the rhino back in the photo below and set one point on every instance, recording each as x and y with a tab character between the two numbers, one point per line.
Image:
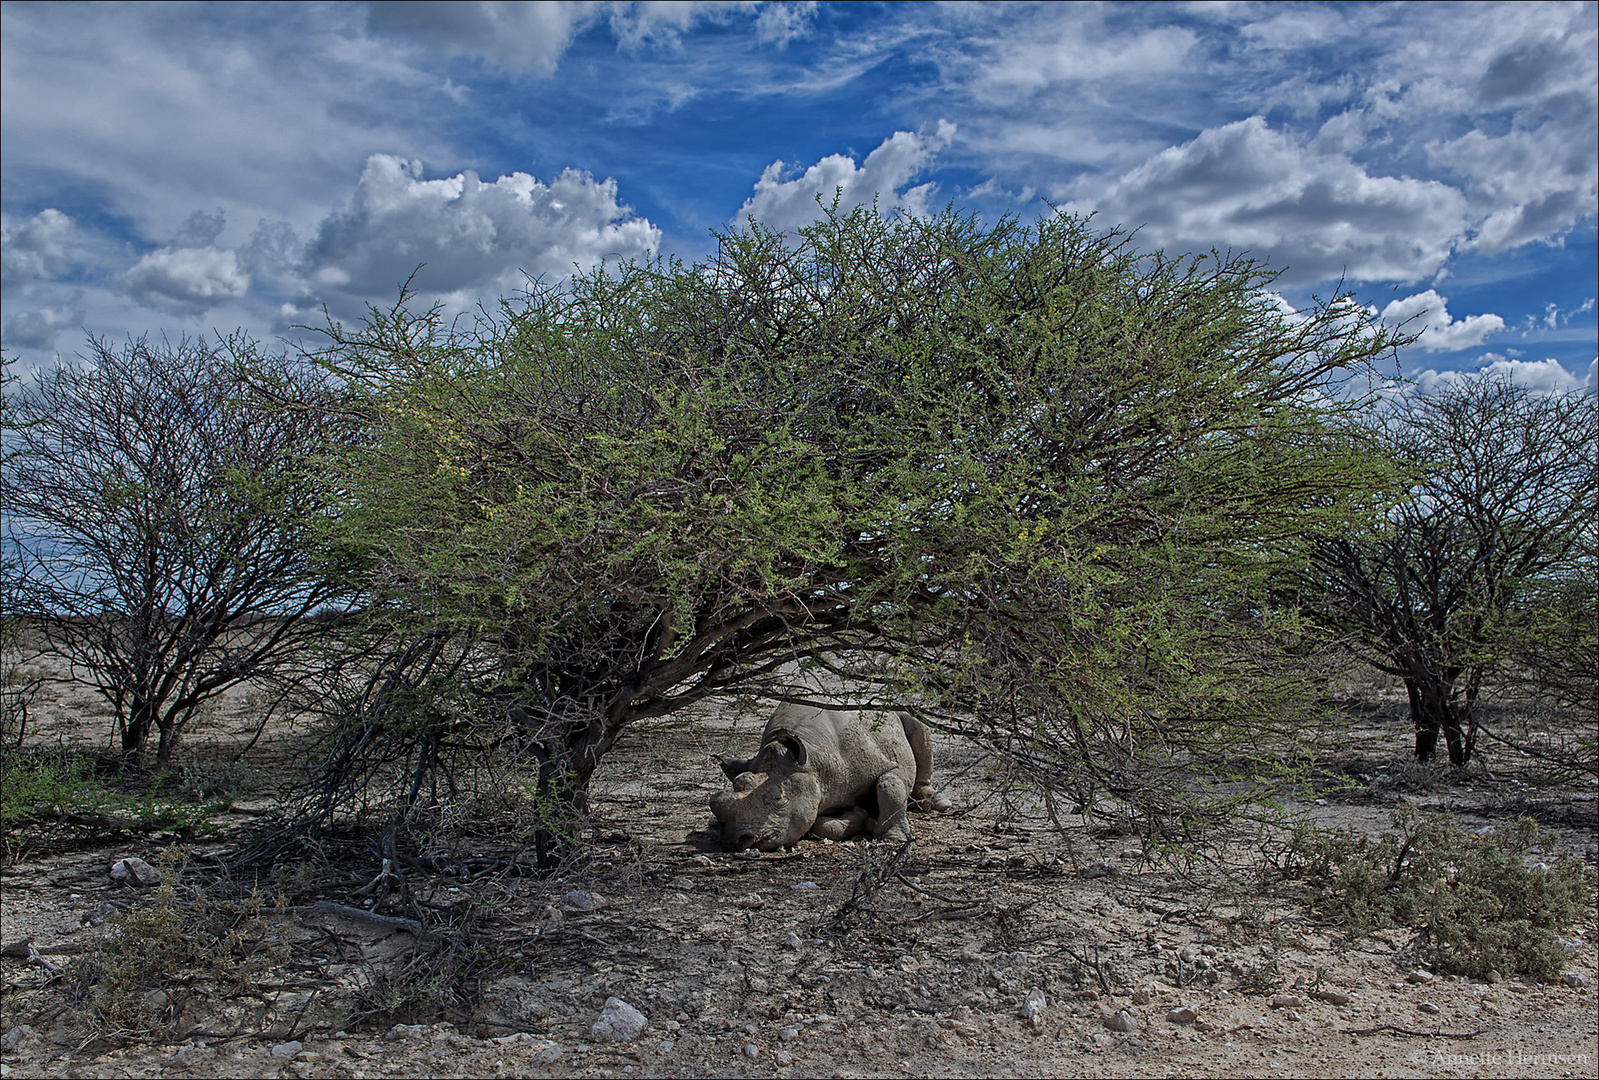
848	751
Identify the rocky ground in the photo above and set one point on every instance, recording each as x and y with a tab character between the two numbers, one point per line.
994	945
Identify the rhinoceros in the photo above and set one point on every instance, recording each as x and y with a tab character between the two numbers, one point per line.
831	774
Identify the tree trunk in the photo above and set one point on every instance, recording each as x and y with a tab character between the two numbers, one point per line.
136	728
1433	710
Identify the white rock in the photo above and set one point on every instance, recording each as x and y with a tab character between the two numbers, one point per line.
1035	1004
135	871
1429	1008
752	1051
1187	1014
288	1049
1420	977
784	1057
682	884
1574	978
1121	1021
805	886
547	1055
789	1034
793	941
16	1037
582	900
1286	1001
619	1022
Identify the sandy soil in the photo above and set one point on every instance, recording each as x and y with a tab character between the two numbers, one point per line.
787	965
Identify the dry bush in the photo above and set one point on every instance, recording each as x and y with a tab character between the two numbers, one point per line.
1472	900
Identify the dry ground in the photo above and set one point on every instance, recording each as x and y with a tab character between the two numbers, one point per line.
788	965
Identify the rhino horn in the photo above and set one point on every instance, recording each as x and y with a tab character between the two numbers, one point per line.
733	767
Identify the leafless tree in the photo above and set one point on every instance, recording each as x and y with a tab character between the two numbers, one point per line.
1454	580
161	519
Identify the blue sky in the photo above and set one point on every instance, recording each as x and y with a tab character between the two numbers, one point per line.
194	168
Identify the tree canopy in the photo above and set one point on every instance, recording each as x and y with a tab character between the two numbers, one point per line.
1028	480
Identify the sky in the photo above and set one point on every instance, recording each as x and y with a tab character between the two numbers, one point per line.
192	169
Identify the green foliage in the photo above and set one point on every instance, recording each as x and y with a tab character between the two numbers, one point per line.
1473	901
1027	479
39	786
44	791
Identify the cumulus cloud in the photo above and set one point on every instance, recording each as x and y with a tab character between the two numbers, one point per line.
789	204
1427	314
1538	376
1246	186
33	248
186	278
469	234
191	274
38	329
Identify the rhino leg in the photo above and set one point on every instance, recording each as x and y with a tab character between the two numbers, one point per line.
891	804
841	825
923	798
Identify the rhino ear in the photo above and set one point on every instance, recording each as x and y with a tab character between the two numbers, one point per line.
781	744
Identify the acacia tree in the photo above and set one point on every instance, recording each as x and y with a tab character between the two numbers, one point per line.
1025	479
162	521
1487	557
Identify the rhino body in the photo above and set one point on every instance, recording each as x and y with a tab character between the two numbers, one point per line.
830	774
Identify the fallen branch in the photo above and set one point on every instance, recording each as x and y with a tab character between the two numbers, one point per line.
1418	1034
390	922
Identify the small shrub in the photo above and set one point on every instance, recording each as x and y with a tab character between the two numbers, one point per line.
1475	904
33	786
158	955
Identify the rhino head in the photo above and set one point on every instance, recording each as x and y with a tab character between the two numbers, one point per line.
775	798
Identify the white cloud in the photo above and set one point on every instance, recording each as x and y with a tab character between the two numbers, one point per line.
789	204
38	329
1426	313
1538	376
531	38
1248	187
513	36
471	235
663	22
780	23
34	248
186	278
